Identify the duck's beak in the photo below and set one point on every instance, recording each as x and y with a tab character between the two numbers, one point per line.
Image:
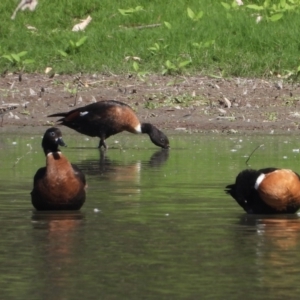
60	142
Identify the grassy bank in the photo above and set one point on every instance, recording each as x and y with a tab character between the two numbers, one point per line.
142	36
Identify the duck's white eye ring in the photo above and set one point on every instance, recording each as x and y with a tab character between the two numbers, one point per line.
52	133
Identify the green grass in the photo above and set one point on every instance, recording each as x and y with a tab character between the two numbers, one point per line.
222	42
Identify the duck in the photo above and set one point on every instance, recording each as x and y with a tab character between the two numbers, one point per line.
106	118
60	185
267	191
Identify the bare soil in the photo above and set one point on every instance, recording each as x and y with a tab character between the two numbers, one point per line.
194	104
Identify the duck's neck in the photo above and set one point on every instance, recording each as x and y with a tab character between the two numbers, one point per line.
147	128
49	150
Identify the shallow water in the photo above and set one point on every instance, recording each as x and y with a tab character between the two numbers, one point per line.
156	224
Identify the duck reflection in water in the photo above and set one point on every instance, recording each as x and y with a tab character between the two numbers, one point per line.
105	165
57	241
277	240
125	176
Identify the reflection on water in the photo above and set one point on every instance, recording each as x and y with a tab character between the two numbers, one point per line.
105	165
60	234
122	177
57	248
277	246
164	228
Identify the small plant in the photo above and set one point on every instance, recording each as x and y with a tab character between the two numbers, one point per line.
168	25
73	47
184	100
72	90
175	67
25	112
193	16
293	101
269	13
156	48
151	105
231	6
130	11
272	116
268	9
291	75
136	68
202	45
17	59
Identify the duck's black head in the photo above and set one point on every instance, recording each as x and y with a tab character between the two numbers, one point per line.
156	136
52	139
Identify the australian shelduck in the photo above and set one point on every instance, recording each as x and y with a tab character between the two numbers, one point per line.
60	185
267	191
106	118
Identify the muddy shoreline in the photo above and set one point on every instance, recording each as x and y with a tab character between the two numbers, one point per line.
193	104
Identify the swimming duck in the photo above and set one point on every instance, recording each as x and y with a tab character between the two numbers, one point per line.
60	185
267	191
106	118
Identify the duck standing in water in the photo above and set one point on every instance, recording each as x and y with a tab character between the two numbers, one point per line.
267	191
106	118
60	185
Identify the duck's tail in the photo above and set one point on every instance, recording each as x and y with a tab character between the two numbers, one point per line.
60	121
61	114
230	189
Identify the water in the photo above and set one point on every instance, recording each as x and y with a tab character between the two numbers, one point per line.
155	225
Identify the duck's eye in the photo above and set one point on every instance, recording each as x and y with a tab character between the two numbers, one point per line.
52	133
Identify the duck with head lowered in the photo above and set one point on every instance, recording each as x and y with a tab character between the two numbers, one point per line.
267	191
106	118
60	185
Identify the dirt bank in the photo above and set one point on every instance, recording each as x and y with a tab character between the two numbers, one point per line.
172	103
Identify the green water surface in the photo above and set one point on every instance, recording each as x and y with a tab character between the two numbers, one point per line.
156	223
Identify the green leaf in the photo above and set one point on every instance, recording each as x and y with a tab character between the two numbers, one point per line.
81	41
135	66
168	25
129	11
276	17
266	4
184	63
170	65
15	57
8	57
255	7
155	48
122	11
126	12
197	45
22	53
138	8
199	15
72	44
283	3
63	53
209	43
28	61
165	71
226	5
190	13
